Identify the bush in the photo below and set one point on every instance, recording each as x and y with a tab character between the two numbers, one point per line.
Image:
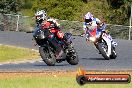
27	5
73	27
119	32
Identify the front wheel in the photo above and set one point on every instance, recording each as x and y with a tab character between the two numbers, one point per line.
103	50
47	56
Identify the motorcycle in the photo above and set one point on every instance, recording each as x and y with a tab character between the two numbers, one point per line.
102	43
53	50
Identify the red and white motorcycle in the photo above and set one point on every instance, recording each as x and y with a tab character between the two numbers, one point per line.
103	43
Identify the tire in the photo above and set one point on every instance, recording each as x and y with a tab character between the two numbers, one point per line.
72	57
81	80
102	51
114	54
47	56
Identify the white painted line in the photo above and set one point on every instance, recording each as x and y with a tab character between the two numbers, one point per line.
23	61
35	50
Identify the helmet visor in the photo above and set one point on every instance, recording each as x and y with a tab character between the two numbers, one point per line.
88	20
39	16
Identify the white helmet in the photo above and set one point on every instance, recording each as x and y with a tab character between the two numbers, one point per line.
88	16
40	15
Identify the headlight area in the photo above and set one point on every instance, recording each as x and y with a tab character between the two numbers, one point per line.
93	39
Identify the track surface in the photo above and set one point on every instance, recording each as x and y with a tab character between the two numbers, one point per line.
89	58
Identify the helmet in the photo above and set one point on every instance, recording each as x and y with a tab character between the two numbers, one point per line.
88	17
40	15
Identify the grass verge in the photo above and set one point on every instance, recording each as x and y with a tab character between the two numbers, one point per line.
12	53
49	80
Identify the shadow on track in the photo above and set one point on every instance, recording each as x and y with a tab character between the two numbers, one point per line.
93	58
57	65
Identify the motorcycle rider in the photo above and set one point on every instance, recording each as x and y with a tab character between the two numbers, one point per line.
49	23
95	23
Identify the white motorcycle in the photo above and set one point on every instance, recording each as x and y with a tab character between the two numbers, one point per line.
103	43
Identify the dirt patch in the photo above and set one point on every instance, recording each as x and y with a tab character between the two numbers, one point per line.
12	75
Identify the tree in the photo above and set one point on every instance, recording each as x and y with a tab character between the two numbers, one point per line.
85	1
7	7
10	6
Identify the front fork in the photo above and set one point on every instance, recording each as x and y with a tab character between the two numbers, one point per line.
96	47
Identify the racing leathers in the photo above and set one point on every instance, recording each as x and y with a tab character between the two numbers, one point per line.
53	26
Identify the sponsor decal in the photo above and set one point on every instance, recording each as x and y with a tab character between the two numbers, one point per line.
83	78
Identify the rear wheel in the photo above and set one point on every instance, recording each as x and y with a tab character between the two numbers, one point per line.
113	54
72	57
47	56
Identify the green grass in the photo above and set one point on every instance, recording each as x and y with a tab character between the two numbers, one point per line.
12	53
53	82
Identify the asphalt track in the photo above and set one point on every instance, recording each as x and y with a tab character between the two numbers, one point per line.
89	59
